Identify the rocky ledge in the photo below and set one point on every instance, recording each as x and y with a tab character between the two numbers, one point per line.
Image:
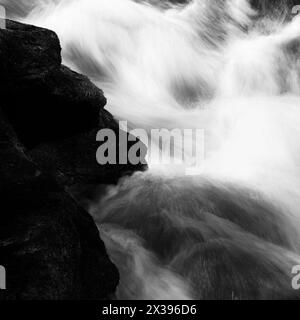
49	117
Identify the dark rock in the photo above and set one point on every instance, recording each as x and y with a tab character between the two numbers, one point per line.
73	160
49	117
56	112
27	51
46	101
49	246
50	107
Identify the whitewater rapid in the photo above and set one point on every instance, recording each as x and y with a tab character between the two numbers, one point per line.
233	231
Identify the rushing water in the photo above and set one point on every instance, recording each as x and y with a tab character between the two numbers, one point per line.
233	231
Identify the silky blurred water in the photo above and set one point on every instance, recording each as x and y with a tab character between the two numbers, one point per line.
233	231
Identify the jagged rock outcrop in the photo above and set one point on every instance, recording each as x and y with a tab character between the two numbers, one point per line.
49	116
55	112
49	246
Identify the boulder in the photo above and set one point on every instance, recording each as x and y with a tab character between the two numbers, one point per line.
55	112
50	247
44	101
49	117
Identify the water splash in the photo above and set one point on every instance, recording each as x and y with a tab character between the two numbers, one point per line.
233	232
